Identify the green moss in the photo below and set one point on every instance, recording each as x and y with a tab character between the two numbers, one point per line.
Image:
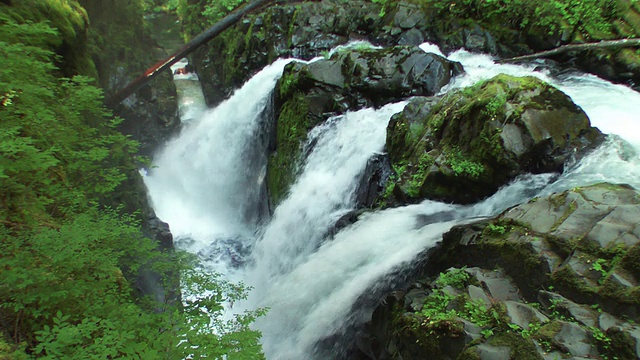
469	354
571	208
419	175
521	349
572	283
464	166
292	127
545	335
287	84
72	24
631	261
620	345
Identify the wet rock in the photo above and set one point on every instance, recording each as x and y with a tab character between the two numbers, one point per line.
580	313
474	140
523	315
488	352
307	94
575	340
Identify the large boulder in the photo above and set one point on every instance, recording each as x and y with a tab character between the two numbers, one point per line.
351	79
556	277
474	140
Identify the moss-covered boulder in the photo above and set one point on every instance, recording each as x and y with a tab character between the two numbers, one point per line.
308	94
71	38
474	140
556	277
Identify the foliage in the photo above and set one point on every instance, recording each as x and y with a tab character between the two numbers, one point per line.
585	16
191	13
70	263
118	40
462	166
454	277
69	41
442	306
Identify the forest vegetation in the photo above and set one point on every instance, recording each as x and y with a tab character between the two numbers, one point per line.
70	250
71	246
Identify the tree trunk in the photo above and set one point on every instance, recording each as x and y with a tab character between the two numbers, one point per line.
575	47
201	39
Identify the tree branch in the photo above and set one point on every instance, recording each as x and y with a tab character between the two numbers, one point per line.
575	47
199	40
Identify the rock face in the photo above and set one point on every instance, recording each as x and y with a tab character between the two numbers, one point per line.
307	29
472	141
581	245
308	94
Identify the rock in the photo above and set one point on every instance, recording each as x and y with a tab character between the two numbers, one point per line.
488	352
497	285
474	140
525	239
523	315
351	79
575	340
555	302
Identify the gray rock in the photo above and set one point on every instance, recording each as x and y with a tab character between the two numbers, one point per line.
575	339
497	285
488	352
523	315
412	36
476	293
581	313
606	321
408	16
471	330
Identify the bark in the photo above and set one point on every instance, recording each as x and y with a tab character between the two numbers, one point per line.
199	40
575	47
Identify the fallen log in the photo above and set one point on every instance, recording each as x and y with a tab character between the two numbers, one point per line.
575	47
199	40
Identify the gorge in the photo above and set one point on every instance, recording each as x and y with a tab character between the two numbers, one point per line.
318	281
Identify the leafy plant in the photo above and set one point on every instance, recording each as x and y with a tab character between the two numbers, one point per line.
70	262
463	166
454	277
497	229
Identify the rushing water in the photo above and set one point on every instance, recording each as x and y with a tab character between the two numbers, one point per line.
208	185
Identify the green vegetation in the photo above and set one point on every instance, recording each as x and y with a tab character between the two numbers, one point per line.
69	252
463	166
590	17
292	127
197	15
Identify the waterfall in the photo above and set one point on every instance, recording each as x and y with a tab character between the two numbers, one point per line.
208	182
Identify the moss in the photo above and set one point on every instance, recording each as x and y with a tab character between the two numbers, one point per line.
521	349
571	283
287	84
571	208
415	334
621	346
545	335
419	176
72	23
631	261
291	131
513	251
469	354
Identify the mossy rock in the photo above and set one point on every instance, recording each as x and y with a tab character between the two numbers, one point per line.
565	240
307	94
71	22
474	140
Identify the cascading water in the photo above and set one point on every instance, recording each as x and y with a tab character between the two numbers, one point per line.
208	182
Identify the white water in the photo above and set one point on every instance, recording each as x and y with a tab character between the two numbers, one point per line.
191	103
312	284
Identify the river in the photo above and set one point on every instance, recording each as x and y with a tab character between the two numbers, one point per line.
208	184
